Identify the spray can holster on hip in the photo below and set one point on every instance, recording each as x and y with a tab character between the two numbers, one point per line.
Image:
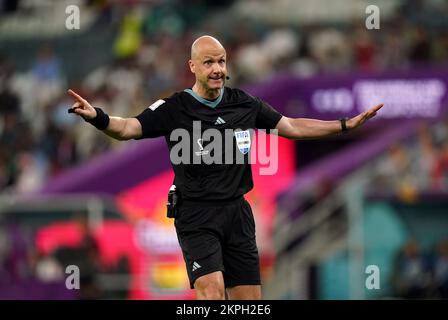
172	204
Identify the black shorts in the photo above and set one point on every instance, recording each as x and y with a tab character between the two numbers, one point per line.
219	237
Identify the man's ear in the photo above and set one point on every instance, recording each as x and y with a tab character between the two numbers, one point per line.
191	64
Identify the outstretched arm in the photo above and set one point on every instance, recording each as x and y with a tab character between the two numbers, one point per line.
118	128
302	128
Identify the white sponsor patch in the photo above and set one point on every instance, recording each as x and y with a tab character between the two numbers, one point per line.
156	104
243	141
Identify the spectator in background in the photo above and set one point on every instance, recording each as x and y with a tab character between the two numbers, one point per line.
86	256
9	101
47	66
440	270
9	123
32	171
6	175
440	170
331	49
48	76
393	50
129	38
411	275
120	269
441	48
5	248
420	51
395	174
364	50
90	263
426	157
280	47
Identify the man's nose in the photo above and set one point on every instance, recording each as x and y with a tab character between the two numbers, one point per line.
217	68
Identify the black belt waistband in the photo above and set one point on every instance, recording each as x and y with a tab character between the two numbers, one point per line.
211	203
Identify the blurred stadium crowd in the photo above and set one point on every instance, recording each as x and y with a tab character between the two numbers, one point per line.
419	166
419	274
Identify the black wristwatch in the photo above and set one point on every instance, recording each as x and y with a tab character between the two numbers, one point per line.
344	124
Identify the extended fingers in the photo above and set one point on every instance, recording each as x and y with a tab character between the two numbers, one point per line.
366	115
371	115
377	107
76	96
372	112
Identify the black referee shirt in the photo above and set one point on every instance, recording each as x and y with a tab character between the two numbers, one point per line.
198	178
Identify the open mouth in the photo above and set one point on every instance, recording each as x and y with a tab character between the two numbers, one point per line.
216	78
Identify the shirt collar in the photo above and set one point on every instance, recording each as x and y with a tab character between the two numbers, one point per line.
211	104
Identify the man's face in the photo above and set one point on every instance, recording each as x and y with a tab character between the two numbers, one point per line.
209	67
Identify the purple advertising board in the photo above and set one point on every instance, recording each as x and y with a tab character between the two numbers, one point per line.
406	94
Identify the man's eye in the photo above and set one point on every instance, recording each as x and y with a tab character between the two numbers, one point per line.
207	62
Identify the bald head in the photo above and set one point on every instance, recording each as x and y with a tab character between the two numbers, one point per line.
206	45
208	63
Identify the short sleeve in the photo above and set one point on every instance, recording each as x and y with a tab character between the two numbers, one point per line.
157	120
267	117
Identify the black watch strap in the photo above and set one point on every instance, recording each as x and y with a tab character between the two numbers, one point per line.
344	124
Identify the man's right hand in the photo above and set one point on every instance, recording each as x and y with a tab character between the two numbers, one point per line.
81	107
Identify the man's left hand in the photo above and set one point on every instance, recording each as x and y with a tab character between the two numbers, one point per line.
359	120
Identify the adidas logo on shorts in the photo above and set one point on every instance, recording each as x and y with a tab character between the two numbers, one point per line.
196	266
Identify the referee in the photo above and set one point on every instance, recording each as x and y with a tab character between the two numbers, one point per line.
214	223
